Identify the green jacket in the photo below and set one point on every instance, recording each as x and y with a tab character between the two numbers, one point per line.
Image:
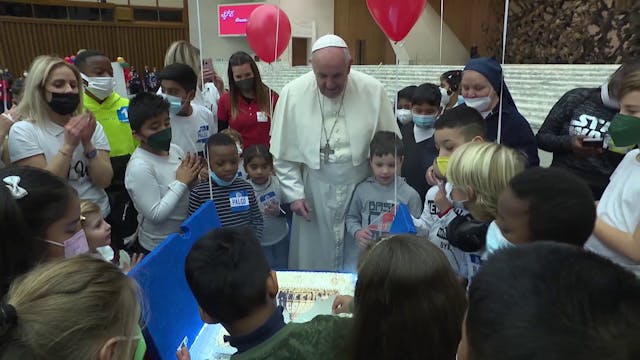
324	337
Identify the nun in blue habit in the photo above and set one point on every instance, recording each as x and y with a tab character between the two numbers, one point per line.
484	90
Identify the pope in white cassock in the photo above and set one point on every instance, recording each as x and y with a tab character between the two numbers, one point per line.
320	134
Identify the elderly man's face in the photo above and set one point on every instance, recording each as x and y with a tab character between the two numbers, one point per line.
331	67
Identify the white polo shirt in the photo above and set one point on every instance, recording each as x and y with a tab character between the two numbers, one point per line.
27	139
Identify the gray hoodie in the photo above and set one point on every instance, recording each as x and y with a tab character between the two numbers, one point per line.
371	199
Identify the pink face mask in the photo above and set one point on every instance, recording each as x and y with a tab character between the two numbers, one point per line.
75	245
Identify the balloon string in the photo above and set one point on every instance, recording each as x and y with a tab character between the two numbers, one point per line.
275	48
504	49
200	44
395	150
441	25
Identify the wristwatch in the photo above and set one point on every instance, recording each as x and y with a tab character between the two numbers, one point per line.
91	154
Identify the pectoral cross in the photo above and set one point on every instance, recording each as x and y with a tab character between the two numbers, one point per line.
326	150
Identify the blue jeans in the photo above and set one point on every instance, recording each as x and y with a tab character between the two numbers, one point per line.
278	254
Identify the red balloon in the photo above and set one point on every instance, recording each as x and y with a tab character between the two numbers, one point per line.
261	32
396	17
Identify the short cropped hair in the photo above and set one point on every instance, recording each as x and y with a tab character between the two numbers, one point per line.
220	139
552	301
386	143
466	119
81	58
182	74
227	273
561	205
143	107
407	92
427	94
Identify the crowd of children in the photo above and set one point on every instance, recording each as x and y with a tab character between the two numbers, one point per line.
509	260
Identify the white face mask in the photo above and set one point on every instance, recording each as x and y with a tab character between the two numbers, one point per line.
495	239
480	103
404	116
607	100
444	101
101	87
106	252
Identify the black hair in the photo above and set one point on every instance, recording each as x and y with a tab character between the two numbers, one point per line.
467	119
144	106
407	92
386	143
220	139
257	151
81	59
453	78
227	273
427	94
561	205
24	222
182	74
553	301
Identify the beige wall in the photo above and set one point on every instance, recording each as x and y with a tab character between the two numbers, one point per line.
422	45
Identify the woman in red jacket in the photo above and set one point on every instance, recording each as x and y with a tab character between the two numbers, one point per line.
248	105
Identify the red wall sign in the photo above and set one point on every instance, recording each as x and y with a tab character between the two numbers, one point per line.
233	18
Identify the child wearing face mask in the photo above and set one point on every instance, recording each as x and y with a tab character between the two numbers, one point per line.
234	198
40	221
159	173
191	124
418	139
275	240
403	106
454	128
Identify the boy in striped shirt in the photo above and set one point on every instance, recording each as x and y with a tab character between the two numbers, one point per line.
234	197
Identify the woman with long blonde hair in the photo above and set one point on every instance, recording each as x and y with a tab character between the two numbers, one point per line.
58	135
77	308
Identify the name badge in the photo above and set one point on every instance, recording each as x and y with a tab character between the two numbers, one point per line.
239	201
203	134
262	117
123	114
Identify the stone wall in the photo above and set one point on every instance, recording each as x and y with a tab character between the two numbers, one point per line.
570	31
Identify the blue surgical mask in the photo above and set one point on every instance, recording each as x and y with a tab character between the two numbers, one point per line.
175	102
221	182
424	121
495	239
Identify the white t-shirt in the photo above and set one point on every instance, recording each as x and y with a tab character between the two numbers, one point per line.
208	97
435	228
619	208
161	200
27	139
190	133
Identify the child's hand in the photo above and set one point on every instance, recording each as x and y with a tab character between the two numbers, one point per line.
135	260
441	201
341	304
363	237
188	169
183	354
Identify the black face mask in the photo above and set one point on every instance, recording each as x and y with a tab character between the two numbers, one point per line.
467	234
64	103
245	85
